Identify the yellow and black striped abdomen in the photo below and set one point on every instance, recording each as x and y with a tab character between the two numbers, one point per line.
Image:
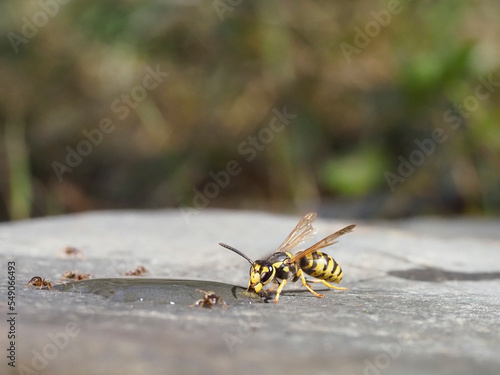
321	266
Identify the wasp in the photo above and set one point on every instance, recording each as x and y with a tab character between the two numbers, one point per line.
281	266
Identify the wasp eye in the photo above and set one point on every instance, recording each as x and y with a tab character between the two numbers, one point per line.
264	277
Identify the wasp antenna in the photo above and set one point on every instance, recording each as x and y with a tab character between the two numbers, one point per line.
237	252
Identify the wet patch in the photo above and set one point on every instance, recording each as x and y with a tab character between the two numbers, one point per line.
157	291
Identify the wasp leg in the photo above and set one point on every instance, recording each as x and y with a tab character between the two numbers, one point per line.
278	292
271	289
307	285
327	284
263	291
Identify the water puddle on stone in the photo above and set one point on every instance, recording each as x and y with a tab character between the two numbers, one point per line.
158	291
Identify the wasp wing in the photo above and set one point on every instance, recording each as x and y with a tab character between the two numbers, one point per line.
301	232
327	241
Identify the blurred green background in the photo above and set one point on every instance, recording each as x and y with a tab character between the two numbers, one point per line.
363	81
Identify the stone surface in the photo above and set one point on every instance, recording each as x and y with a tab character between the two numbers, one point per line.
423	298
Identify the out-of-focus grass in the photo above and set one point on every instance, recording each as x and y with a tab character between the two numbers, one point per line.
17	158
354	119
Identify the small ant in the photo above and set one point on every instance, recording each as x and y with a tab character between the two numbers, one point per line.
70	251
138	271
39	283
75	275
209	299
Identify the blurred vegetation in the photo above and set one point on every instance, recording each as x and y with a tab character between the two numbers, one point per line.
229	67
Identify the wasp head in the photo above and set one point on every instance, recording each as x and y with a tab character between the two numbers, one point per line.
261	273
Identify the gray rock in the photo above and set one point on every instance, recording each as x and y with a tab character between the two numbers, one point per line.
423	298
